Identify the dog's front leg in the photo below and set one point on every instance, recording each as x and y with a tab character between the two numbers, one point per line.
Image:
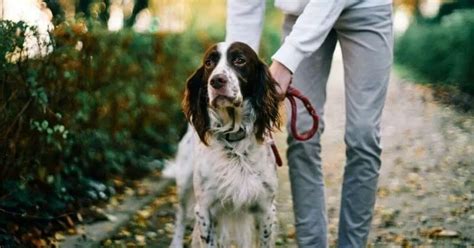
205	226
185	196
266	223
180	225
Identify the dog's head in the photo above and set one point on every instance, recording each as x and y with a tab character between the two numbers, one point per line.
231	73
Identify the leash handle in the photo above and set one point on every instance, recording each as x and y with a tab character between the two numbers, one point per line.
291	94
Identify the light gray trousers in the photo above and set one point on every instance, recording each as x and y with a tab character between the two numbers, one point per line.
366	39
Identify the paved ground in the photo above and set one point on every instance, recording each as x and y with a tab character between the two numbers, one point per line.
426	183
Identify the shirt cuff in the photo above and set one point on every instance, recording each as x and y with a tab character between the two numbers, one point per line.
289	56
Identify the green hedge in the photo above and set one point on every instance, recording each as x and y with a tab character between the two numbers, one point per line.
441	53
101	105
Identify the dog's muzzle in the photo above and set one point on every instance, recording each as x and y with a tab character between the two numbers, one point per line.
223	93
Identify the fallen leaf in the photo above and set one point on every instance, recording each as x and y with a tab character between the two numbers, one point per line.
169	227
111	217
124	233
447	234
114	201
39	242
383	192
129	191
145	214
69	221
79	217
388	217
279	241
140	239
108	242
430	232
151	235
142	191
59	236
291	233
118	183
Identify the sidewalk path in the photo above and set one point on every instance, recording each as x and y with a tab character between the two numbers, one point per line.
426	182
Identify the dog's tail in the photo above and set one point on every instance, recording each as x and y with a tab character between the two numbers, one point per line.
183	162
169	170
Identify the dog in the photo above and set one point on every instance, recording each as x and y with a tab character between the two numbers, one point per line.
224	168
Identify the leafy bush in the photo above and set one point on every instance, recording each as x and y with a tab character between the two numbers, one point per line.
441	53
98	106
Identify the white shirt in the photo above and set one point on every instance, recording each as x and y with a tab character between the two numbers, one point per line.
316	19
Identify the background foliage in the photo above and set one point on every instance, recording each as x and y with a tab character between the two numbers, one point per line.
102	105
440	50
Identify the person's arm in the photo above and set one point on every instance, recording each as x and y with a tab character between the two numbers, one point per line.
308	33
245	21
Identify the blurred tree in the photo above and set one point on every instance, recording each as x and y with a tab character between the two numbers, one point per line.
95	9
413	7
449	7
102	10
137	7
56	9
83	7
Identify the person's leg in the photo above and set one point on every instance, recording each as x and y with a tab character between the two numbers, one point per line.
304	157
366	40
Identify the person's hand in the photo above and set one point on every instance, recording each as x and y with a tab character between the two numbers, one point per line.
282	76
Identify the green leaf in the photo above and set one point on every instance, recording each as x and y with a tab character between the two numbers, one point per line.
44	124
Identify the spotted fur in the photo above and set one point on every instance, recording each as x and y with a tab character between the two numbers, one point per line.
232	182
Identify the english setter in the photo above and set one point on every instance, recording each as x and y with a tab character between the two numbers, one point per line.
224	166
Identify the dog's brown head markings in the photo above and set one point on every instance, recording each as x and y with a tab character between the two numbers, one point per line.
230	74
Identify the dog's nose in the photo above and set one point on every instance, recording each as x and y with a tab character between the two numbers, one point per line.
218	80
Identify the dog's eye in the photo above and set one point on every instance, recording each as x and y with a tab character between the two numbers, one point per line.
239	61
209	63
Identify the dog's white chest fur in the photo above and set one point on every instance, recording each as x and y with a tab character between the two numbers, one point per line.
238	177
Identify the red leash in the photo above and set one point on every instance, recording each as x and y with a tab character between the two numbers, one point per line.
291	94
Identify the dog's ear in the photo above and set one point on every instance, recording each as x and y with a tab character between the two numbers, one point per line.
265	102
195	103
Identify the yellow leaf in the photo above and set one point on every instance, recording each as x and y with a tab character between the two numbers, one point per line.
59	236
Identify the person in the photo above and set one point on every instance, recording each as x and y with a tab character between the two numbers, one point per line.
312	27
